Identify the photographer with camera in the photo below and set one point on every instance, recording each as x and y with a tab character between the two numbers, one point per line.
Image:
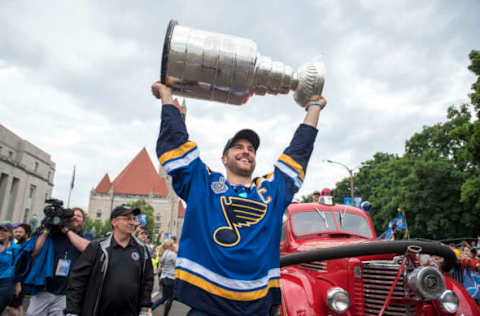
61	234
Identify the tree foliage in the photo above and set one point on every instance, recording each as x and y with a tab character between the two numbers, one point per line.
97	228
436	181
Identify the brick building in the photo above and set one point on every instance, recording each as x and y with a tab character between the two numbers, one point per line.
138	181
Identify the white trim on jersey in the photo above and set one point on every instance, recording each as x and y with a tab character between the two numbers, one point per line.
182	162
226	282
289	172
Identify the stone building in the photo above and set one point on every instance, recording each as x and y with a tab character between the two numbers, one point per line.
26	178
180	217
138	181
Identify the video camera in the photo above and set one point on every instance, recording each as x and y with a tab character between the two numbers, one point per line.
55	215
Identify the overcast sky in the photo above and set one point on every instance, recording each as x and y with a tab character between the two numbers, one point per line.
75	78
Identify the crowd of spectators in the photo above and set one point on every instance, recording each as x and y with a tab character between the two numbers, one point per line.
11	291
19	238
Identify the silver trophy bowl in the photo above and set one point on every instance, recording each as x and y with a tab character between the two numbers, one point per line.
229	69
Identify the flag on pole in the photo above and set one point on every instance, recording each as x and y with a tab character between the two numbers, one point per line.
72	184
397	224
400	222
406	235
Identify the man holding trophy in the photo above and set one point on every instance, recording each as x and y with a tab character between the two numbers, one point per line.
229	254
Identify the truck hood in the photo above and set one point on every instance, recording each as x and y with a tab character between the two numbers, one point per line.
317	244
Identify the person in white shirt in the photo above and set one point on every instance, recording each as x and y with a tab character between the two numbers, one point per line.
166	270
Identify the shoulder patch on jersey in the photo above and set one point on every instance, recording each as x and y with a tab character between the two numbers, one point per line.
219	186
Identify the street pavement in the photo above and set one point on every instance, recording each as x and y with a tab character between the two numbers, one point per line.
178	309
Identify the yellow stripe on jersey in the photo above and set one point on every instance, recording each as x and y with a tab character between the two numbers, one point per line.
293	164
228	294
177	152
260	179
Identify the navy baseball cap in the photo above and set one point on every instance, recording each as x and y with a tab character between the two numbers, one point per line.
124	210
246	134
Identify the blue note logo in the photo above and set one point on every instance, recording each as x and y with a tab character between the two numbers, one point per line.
238	213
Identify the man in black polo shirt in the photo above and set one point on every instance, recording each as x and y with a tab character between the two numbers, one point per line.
114	275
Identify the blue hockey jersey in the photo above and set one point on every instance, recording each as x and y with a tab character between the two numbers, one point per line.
229	253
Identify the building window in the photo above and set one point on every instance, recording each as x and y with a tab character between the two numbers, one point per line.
35	168
46	196
49	174
32	191
10	154
157	218
99	214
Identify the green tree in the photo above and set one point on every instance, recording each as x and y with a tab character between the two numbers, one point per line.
437	180
88	224
475	68
471	188
97	228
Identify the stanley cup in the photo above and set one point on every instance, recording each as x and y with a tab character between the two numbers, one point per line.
229	69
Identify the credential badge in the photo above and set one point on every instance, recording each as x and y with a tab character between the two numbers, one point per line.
219	186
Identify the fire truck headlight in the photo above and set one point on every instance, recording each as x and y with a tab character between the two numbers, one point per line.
427	282
338	299
449	301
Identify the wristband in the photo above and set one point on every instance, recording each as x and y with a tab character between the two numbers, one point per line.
315	104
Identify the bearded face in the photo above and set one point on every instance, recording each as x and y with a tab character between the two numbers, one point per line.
19	233
240	158
76	222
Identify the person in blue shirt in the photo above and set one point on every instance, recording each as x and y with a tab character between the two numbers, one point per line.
68	244
229	255
8	253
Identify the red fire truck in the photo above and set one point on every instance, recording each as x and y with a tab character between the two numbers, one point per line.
332	264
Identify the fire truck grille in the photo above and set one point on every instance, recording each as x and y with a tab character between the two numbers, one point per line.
378	277
318	266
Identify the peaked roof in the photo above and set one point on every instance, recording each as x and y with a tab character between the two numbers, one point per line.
104	185
139	177
181	209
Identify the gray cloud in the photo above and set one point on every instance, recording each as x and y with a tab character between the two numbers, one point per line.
77	77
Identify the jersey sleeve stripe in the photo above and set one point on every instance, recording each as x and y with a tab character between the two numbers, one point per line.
290	173
184	161
236	285
286	159
228	294
178	152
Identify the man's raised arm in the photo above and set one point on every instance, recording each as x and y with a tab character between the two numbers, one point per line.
162	92
313	108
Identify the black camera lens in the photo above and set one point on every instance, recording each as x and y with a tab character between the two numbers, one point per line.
56	220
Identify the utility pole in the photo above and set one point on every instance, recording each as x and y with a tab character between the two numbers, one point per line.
350	172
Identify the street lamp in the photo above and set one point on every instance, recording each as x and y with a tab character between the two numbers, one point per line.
350	172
